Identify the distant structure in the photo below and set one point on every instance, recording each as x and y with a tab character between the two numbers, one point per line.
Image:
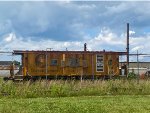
5	65
133	67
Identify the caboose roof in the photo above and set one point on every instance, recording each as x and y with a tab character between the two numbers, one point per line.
20	52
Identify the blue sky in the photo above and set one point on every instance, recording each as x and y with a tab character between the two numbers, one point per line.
70	24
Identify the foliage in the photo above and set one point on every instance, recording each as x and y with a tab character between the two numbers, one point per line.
16	63
132	75
71	88
111	96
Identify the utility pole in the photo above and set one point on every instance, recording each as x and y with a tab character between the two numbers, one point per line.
127	49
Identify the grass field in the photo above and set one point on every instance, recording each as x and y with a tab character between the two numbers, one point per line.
112	96
83	104
69	88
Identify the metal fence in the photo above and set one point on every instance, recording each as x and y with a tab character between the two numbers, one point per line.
6	57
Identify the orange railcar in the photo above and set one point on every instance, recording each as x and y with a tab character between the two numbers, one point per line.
69	63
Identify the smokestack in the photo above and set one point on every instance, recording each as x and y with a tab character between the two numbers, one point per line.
85	47
127	46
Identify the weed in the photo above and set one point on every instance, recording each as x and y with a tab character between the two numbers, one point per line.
69	88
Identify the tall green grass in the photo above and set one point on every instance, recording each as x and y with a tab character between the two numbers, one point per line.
69	88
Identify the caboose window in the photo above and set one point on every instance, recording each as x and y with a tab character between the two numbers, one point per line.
53	62
99	63
73	62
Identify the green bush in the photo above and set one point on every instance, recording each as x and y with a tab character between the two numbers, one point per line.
132	75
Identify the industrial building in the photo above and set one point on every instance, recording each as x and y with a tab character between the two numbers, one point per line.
142	67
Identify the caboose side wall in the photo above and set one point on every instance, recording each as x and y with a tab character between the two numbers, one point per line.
59	63
72	64
112	64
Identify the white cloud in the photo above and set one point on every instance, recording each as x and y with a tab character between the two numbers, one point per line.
131	32
140	43
106	36
66	17
106	39
137	48
73	23
10	37
87	6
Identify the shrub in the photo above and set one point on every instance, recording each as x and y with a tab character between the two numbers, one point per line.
132	75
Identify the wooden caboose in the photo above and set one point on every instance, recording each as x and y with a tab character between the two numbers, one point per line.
64	64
